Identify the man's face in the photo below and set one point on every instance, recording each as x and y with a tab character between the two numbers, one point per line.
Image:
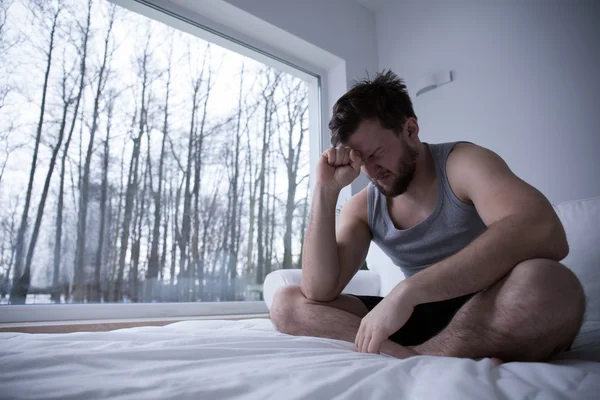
389	162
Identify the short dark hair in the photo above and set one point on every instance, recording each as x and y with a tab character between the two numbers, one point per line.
385	98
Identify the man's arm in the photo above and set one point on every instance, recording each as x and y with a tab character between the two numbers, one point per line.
323	270
331	259
521	225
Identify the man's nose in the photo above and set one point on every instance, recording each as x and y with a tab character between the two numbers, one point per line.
373	170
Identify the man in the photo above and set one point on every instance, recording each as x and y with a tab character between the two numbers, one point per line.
480	247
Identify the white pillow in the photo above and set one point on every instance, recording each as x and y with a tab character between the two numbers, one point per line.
581	219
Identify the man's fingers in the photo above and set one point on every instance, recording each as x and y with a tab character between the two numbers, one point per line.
358	342
341	156
330	154
374	345
340	152
355	160
365	343
354	156
346	159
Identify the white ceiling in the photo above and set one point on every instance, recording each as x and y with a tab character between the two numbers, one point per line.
372	5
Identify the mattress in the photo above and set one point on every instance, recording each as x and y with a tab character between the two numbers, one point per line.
249	359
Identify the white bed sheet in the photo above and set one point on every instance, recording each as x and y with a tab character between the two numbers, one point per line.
249	359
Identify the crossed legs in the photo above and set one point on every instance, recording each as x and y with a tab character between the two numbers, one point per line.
531	314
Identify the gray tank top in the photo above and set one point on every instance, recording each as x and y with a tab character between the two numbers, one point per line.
451	226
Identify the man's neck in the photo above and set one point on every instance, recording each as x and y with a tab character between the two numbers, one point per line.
425	175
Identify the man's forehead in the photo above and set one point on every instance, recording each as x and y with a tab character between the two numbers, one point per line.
362	146
367	138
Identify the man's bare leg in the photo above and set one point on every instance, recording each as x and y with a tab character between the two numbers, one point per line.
531	314
294	314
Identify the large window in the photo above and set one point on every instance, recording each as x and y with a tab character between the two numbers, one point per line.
140	163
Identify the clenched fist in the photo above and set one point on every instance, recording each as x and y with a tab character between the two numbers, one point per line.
338	167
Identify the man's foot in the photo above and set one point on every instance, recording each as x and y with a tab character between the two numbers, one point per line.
496	361
395	350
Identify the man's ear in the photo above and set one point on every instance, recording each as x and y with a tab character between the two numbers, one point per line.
411	127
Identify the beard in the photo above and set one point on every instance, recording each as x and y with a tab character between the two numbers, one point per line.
403	175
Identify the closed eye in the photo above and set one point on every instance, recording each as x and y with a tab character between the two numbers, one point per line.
375	155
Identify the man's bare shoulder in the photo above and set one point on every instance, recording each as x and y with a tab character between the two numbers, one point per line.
464	160
468	155
357	207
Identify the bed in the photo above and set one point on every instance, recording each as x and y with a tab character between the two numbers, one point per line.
249	359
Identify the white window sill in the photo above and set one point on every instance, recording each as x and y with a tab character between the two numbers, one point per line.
110	324
53	313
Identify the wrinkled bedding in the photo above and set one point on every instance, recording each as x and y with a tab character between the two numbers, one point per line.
249	359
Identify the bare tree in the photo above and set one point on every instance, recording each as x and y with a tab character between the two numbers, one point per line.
85	181
154	261
114	272
97	287
67	99
137	236
208	214
234	185
270	214
199	160
9	230
303	224
6	87
6	43
193	158
272	81
176	227
294	96
4	7
21	279
143	62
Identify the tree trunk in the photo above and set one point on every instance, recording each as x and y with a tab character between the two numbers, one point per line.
154	261
207	224
132	183
112	292
80	248
222	255
295	99
267	95
184	237
253	188
193	272
137	237
22	279
304	223
97	291
271	226
233	251
55	151
163	257
11	245
176	232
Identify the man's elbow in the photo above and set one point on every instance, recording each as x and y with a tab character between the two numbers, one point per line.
556	240
563	248
316	295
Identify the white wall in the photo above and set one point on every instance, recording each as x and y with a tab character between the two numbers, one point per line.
341	27
527	81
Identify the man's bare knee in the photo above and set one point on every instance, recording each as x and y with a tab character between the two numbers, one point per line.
285	307
543	303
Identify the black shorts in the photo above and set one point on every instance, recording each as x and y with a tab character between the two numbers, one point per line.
426	321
